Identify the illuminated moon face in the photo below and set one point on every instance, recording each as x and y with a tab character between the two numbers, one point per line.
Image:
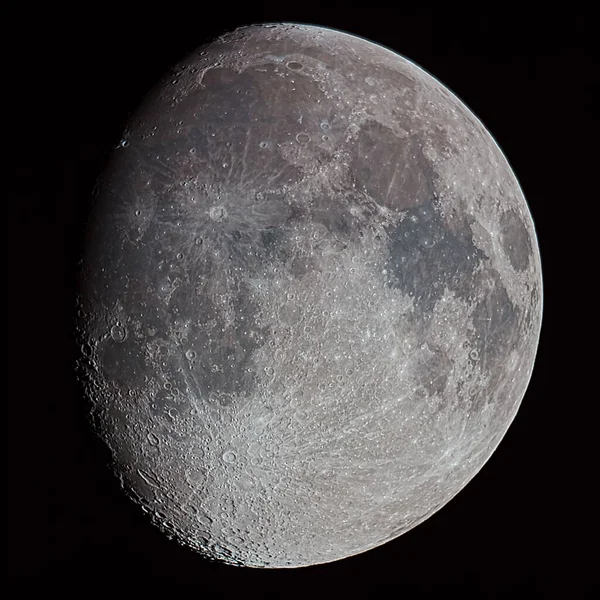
311	298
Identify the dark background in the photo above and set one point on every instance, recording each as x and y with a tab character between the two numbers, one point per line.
523	520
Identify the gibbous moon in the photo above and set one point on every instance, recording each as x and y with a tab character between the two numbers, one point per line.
310	301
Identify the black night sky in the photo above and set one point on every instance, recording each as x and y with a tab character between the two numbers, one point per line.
80	73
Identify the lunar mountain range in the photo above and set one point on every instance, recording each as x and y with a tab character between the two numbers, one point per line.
310	300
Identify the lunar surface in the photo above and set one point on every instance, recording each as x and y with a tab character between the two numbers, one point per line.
310	300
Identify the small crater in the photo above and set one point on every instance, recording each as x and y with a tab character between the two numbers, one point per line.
303	138
190	355
300	416
294	66
196	476
229	457
118	332
153	439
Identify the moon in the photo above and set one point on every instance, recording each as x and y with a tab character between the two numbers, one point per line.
310	298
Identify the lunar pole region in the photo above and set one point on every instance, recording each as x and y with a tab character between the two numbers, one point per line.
310	298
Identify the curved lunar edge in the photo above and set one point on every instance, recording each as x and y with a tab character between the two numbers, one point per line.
311	298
